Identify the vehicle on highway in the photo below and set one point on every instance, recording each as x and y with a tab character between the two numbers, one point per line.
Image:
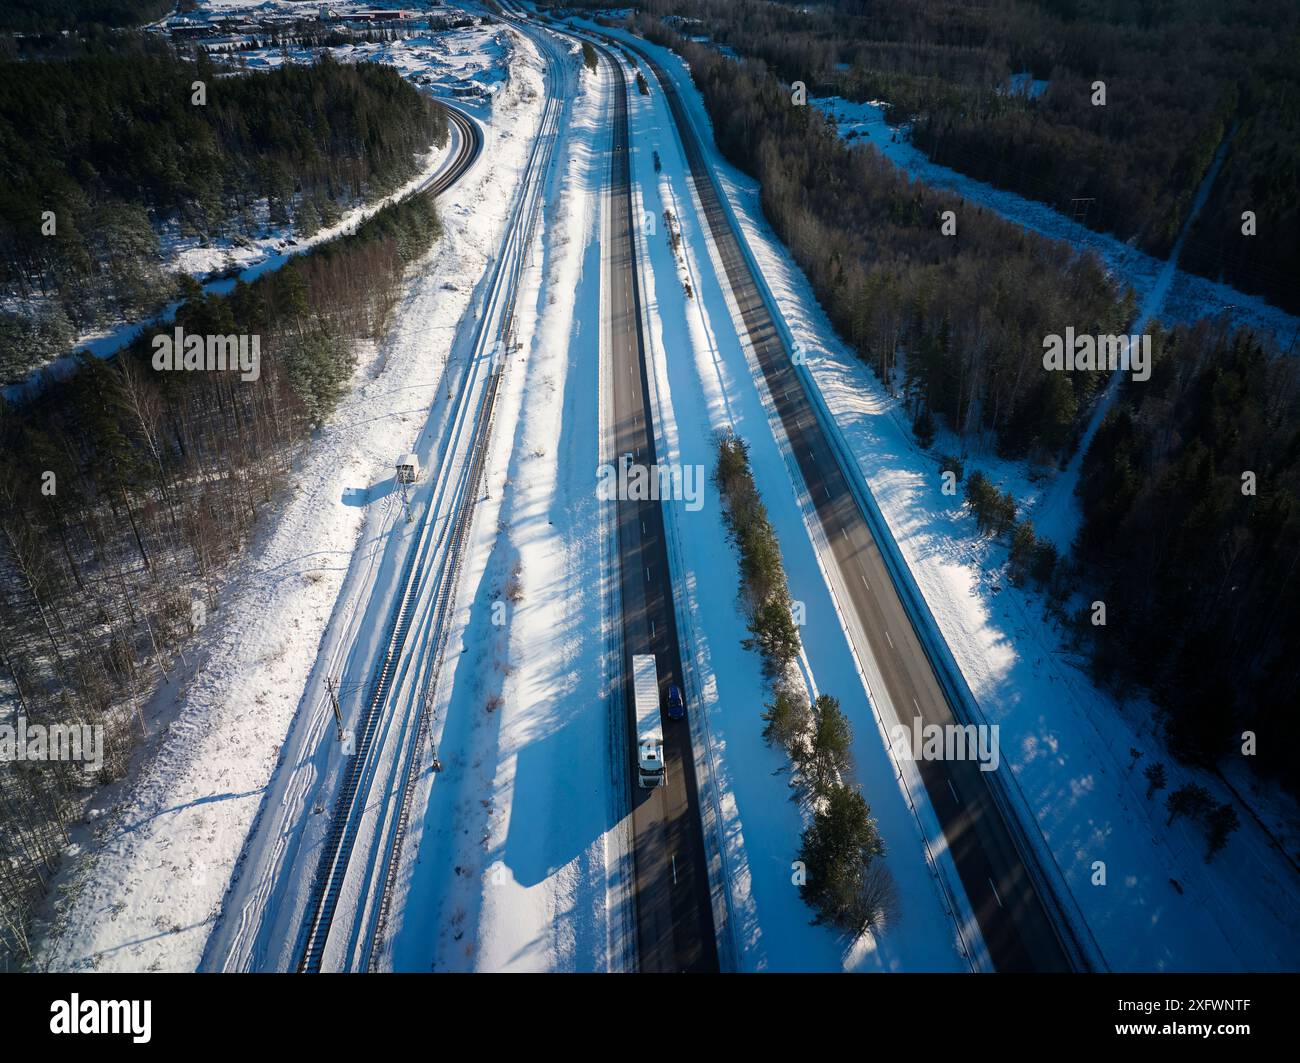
649	728
676	706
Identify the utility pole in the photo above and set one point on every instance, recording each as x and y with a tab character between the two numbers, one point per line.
406	503
344	736
436	765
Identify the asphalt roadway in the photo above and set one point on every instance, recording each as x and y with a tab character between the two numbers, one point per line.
1016	927
674	916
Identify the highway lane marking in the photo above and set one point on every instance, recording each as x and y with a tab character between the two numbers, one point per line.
995	893
864	581
889	640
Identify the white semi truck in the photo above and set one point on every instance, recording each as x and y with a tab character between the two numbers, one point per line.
649	729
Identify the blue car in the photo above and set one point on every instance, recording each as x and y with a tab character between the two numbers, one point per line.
676	707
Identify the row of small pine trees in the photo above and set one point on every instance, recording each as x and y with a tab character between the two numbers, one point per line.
840	871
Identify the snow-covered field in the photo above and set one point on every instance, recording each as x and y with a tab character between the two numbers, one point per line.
148	873
1067	744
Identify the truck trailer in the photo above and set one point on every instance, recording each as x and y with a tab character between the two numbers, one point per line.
649	729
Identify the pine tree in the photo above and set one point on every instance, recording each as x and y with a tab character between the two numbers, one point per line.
1023	546
776	636
838	851
1004	512
1044	564
788	720
828	755
923	428
1219	824
1155	776
1188	800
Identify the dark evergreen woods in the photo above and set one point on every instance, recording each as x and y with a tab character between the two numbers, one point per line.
969	311
1180	77
1192	527
158	480
36	16
112	143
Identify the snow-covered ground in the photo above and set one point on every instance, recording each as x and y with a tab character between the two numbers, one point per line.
1066	743
511	870
147	874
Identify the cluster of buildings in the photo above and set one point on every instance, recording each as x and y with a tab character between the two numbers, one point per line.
256	28
367	15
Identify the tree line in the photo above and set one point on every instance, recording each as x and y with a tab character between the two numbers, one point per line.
954	322
43	16
1191	538
1179	77
103	150
128	494
1183	575
840	870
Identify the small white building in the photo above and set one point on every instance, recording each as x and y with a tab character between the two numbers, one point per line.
408	469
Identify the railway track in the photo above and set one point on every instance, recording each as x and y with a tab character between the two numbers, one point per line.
471	143
381	775
445	600
246	943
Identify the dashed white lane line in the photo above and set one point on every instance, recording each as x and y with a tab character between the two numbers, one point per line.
996	896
